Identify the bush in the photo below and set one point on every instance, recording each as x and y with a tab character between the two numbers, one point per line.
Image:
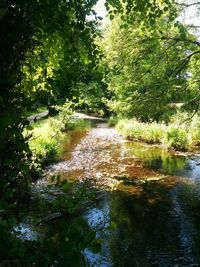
150	133
113	120
64	115
172	136
44	144
195	131
177	138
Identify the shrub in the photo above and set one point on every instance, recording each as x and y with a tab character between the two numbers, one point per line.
177	138
150	133
44	144
113	120
64	115
172	136
44	150
195	131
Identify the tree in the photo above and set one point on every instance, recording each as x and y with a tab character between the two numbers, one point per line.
25	26
148	67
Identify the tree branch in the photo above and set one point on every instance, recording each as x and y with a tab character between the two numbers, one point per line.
186	60
187	5
182	40
193	26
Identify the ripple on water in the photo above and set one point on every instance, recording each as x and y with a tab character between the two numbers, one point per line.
154	226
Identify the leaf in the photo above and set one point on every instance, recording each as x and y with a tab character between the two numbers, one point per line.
165	9
8	162
94	12
89	237
95	248
112	226
3	11
5	119
111	16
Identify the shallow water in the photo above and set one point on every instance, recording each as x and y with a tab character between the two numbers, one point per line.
147	208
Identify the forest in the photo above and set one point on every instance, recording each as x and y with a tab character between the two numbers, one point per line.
137	69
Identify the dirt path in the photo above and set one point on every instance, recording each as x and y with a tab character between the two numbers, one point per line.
76	115
33	118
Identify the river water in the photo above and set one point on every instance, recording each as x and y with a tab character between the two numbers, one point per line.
147	209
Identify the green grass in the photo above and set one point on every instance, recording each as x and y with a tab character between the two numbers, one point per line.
150	133
44	142
47	135
176	135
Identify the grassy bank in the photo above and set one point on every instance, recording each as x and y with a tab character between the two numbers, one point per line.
45	136
44	141
175	135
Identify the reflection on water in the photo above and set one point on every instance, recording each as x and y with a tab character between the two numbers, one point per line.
25	232
156	157
151	216
158	233
99	220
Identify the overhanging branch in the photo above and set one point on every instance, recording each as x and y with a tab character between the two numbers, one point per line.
187	5
186	60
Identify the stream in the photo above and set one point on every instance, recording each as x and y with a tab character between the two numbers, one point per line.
147	209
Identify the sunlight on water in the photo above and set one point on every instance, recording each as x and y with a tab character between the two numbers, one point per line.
150	214
25	232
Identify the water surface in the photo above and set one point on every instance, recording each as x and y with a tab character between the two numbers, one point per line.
147	212
147	205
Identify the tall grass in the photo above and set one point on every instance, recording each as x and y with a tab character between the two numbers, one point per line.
180	134
44	142
46	136
150	133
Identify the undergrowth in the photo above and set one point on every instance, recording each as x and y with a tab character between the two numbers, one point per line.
180	134
58	232
45	136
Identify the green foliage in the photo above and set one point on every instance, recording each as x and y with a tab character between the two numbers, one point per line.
47	135
43	144
177	138
91	96
195	131
150	133
146	69
146	11
65	112
43	42
182	133
62	233
190	124
113	120
48	53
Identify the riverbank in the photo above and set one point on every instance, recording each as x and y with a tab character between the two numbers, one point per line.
138	186
180	137
107	192
46	136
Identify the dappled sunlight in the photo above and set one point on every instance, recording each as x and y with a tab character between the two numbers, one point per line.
142	200
146	198
104	157
73	191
